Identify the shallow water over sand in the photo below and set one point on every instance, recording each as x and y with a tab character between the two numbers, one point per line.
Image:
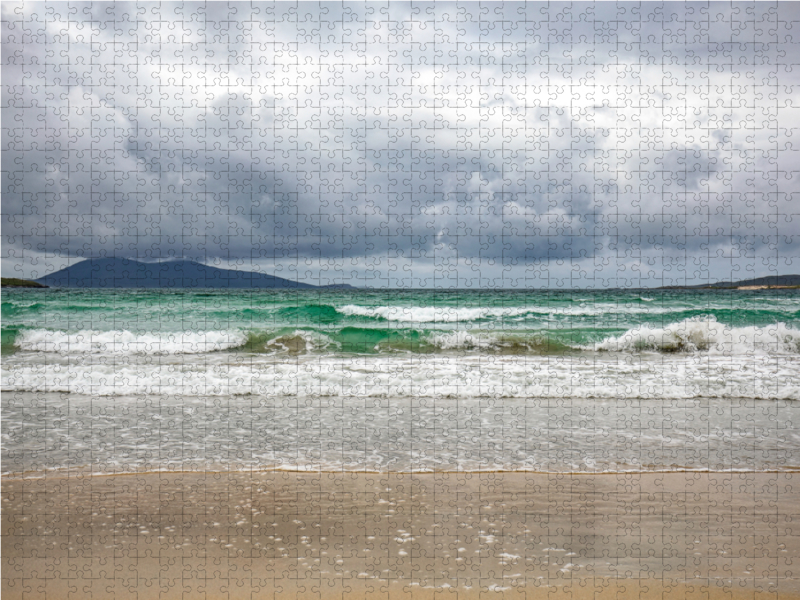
173	433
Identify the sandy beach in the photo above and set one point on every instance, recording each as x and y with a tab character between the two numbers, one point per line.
384	535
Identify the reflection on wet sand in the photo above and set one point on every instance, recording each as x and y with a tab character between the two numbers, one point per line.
288	534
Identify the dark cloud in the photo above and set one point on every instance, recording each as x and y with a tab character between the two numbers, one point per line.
371	136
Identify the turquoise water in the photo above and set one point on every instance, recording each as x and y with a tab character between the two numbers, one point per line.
127	380
392	322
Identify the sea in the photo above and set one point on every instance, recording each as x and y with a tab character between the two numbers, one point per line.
121	381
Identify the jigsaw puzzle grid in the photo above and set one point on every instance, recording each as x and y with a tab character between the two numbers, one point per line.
480	368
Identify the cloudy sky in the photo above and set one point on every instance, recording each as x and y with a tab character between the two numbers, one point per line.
406	144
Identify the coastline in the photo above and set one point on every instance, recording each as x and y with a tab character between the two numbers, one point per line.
339	534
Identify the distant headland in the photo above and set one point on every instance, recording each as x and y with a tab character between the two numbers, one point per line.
13	282
128	273
770	282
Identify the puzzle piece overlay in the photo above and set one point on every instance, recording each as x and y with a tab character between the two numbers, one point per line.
460	353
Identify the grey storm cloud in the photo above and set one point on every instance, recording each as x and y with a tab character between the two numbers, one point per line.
513	133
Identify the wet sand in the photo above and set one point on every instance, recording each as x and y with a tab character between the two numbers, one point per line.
445	535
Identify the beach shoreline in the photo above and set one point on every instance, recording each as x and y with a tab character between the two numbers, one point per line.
339	534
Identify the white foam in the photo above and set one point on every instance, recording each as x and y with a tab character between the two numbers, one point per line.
451	314
705	334
454	340
432	314
435	376
127	342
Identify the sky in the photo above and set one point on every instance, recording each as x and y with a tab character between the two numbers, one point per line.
514	145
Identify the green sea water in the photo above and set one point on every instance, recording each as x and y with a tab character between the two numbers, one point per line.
386	322
556	381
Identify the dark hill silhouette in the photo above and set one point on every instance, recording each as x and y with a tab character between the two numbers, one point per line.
127	273
769	280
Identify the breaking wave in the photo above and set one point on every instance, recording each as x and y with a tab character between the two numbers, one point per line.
126	342
696	334
433	314
704	334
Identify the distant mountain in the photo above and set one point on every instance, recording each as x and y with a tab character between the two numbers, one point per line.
127	273
769	281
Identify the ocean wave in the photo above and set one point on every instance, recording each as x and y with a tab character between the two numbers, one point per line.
365	340
431	376
13	309
127	342
308	313
298	341
691	335
434	314
500	343
8	339
451	314
704	334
